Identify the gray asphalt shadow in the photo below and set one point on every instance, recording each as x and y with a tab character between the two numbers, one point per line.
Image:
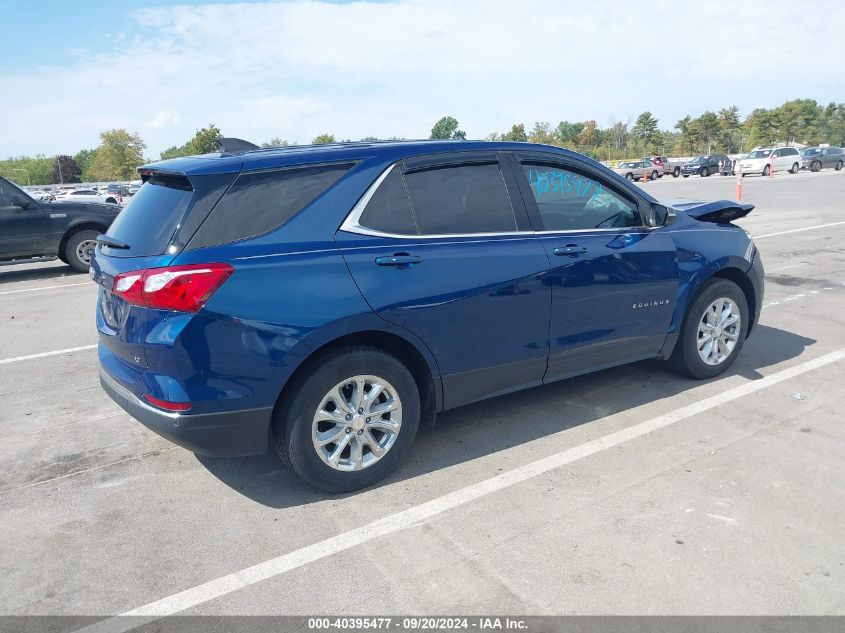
497	424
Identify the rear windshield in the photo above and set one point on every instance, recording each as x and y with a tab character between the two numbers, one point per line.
148	222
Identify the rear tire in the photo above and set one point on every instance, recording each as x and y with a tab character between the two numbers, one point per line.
297	431
79	250
839	166
690	356
676	172
629	176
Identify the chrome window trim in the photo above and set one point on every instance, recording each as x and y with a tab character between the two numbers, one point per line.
351	223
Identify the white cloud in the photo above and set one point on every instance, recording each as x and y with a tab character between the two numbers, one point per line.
297	69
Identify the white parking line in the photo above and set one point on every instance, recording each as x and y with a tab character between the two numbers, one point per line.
59	287
413	516
806	228
57	352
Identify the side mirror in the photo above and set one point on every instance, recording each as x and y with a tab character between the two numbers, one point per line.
660	216
20	201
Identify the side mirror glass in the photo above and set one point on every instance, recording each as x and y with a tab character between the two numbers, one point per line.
661	215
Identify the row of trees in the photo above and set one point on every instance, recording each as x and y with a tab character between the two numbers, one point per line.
801	120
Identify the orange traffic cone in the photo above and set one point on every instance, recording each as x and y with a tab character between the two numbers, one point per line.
645	177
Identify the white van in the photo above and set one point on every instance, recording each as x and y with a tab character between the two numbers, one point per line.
761	160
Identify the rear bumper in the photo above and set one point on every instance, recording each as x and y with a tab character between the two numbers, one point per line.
228	434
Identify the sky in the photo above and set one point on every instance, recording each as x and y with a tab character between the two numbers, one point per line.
296	69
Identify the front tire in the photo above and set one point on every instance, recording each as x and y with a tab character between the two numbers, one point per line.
676	172
79	250
350	421
713	331
629	176
794	169
839	166
816	166
654	175
766	170
704	172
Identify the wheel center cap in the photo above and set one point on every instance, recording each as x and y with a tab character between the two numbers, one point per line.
717	331
357	423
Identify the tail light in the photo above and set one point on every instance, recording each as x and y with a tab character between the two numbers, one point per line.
167	405
182	288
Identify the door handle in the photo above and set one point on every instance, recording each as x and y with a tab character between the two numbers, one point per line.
570	250
400	260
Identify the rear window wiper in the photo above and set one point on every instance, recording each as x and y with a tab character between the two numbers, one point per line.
105	240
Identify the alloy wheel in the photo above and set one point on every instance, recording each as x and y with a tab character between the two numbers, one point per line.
718	331
357	423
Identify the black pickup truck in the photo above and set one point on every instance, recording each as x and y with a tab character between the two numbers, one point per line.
40	231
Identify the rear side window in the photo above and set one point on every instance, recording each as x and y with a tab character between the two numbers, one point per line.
258	202
389	210
462	199
568	201
149	220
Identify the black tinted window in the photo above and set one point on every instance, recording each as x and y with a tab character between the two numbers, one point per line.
149	220
258	202
462	199
389	210
569	201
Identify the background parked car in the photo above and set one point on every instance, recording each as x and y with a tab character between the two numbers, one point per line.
706	165
89	195
763	160
817	158
634	170
667	165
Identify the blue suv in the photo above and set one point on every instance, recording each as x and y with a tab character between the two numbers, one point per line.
323	300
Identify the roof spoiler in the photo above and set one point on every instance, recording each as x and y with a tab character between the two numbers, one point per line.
230	145
718	211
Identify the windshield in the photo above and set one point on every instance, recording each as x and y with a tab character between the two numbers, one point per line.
698	159
811	151
760	153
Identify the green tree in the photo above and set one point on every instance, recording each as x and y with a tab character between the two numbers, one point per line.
645	130
118	156
567	132
447	128
729	134
205	141
517	133
84	158
275	142
690	132
708	130
763	127
28	170
542	133
323	139
64	170
588	137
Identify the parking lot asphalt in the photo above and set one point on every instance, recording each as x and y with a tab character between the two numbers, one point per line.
628	491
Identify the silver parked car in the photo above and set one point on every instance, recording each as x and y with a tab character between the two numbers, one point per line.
637	169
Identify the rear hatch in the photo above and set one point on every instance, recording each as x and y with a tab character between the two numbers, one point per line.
149	233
